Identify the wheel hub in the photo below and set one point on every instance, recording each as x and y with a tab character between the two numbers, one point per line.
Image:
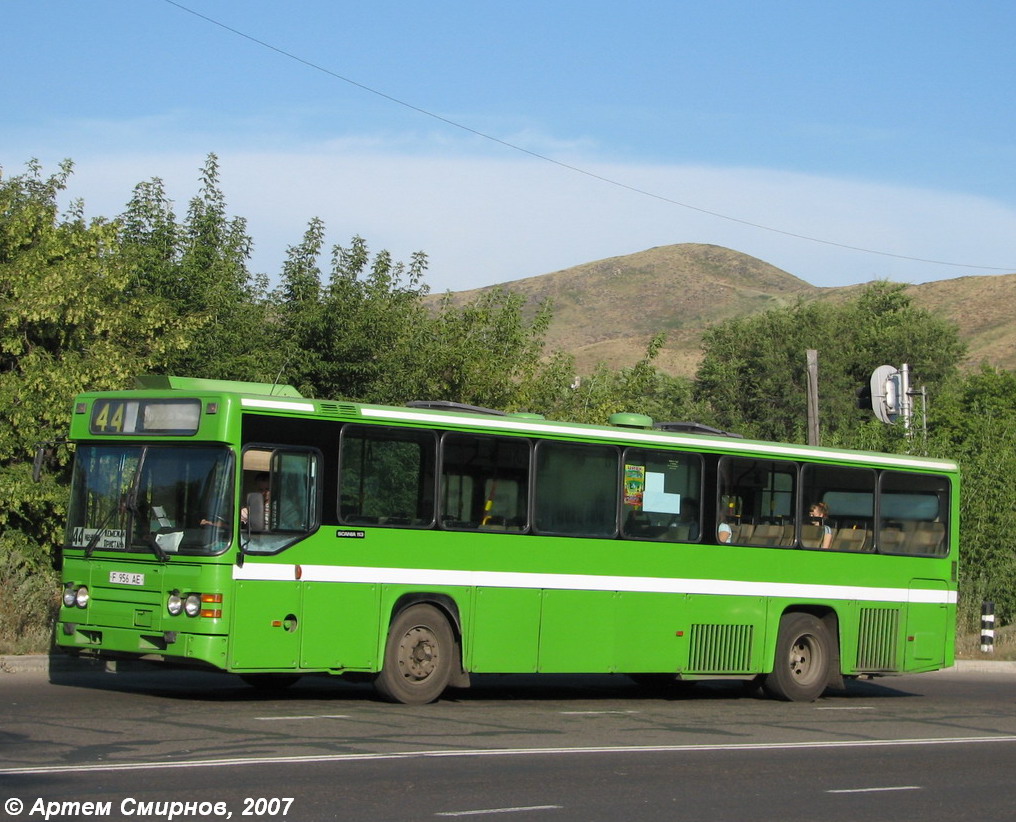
418	654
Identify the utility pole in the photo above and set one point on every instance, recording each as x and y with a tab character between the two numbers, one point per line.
813	435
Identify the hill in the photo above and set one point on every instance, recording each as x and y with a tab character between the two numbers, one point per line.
606	311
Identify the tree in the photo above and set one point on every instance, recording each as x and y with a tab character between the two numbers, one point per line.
486	352
639	389
67	325
974	422
753	372
356	336
199	267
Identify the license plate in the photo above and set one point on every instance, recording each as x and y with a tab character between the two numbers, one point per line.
124	578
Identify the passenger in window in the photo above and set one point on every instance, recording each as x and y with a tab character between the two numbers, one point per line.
819	511
724	532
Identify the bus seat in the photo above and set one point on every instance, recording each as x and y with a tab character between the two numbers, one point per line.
851	538
811	535
891	540
741	533
927	538
767	535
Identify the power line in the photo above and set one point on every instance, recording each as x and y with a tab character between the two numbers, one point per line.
577	169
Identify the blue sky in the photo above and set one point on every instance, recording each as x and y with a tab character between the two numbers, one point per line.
885	126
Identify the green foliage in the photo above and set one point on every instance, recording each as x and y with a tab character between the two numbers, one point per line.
753	375
199	268
66	325
974	421
355	336
31	596
640	389
486	353
367	334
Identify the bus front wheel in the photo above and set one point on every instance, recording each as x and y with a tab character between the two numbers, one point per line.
803	655
418	657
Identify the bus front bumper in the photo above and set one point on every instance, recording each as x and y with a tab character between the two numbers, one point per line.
98	640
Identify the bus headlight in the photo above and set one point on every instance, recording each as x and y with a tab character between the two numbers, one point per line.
69	595
81	597
192	605
174	604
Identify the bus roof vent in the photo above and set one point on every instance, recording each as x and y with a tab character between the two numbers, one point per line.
334	409
624	419
694	428
526	415
446	405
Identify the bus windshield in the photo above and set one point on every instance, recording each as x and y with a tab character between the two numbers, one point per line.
151	499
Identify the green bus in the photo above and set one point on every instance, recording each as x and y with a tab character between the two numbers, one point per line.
245	528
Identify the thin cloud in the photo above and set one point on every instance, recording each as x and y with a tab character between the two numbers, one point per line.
484	219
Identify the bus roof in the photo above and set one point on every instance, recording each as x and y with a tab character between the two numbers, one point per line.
453	415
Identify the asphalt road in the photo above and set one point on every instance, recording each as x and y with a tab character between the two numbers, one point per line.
930	747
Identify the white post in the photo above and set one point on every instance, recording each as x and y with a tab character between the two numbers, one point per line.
906	406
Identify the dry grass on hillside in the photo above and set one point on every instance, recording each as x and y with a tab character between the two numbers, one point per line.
607	310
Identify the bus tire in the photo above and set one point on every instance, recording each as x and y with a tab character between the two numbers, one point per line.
418	657
803	655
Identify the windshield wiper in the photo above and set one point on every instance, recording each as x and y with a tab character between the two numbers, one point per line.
90	546
149	538
131	505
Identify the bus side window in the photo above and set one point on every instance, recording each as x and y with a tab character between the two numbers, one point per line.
837	502
913	514
756	501
484	482
659	495
282	504
386	476
576	489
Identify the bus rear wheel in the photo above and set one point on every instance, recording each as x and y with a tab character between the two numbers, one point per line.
803	655
418	657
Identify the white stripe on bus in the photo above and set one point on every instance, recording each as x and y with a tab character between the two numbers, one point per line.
732	445
278	405
586	582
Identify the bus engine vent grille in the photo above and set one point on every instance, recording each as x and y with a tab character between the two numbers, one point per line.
334	409
876	639
719	649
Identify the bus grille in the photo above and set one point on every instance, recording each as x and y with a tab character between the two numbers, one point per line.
720	648
876	639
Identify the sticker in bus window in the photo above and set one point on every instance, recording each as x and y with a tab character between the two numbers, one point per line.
634	484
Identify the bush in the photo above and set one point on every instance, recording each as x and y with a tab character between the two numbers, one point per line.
29	599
